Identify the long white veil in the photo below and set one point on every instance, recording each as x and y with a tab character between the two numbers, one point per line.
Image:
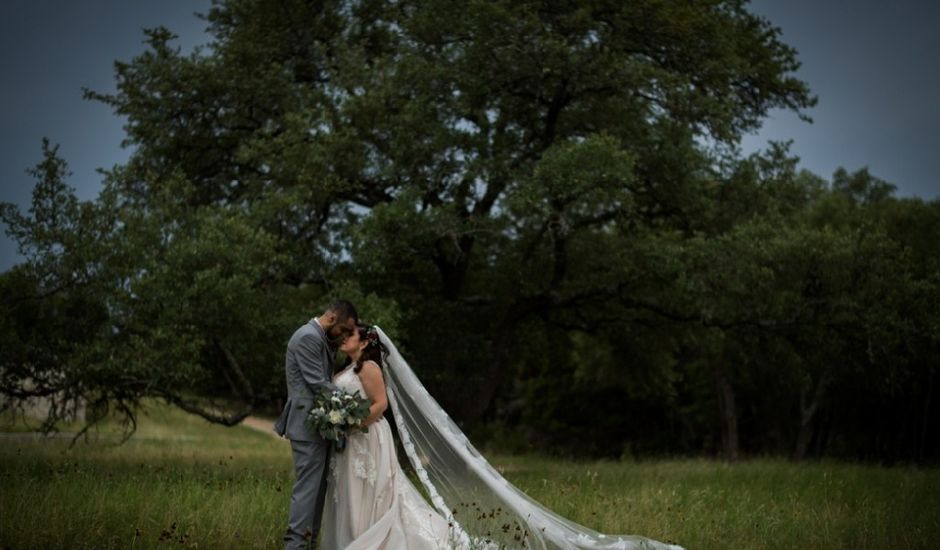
483	508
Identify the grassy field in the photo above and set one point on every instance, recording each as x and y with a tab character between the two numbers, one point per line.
185	483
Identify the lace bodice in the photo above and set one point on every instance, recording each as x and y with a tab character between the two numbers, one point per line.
362	459
347	380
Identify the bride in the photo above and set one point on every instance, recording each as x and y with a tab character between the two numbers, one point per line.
372	505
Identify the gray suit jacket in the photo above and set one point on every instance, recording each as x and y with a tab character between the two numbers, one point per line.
309	370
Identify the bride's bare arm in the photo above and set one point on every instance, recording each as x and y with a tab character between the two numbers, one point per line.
374	385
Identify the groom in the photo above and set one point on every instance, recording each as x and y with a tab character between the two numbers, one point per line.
309	369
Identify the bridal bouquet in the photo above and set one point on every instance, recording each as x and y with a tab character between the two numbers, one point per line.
335	412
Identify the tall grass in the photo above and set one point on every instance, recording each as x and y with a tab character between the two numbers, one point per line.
178	480
183	482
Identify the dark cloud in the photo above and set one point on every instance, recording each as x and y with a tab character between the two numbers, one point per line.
49	51
874	66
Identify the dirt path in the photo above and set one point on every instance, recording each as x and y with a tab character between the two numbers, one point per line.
261	424
254	422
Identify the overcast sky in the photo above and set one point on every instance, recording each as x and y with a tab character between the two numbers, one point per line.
874	66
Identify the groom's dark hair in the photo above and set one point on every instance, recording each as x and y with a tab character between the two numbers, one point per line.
344	310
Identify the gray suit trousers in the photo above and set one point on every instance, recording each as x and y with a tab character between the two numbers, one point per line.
306	502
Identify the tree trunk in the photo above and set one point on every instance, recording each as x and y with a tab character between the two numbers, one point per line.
924	430
452	258
808	414
729	418
497	370
806	429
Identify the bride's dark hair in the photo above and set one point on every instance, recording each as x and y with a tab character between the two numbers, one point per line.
374	351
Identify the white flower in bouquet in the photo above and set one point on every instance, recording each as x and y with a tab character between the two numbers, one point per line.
336	417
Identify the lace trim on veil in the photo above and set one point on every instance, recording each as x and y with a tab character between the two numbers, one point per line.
498	514
458	535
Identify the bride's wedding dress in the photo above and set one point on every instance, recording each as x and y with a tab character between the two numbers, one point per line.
372	505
